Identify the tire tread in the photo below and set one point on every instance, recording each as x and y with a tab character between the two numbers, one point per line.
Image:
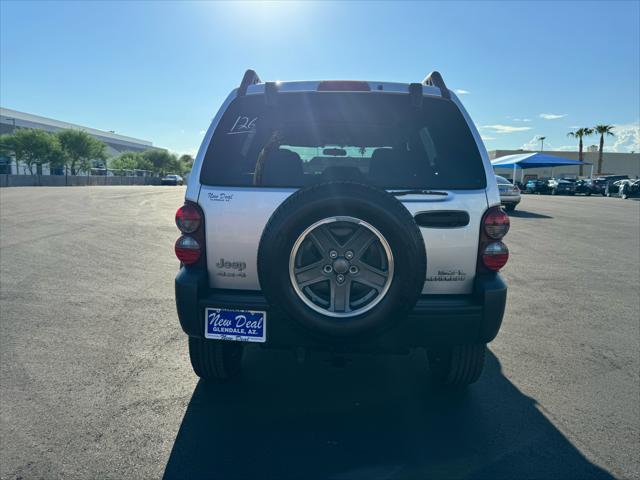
214	360
462	366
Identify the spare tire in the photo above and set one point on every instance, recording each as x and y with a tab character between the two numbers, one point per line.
342	258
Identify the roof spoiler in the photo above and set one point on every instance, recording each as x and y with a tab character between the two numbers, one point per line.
434	79
250	78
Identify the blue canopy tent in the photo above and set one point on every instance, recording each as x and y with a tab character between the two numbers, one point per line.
534	160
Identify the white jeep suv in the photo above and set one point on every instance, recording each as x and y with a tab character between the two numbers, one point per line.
342	216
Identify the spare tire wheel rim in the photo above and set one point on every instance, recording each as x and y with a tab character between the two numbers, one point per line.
341	266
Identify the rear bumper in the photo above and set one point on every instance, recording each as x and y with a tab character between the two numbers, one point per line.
436	320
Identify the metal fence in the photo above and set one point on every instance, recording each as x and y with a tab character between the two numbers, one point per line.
72	180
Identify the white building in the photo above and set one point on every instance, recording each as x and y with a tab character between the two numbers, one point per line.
13	119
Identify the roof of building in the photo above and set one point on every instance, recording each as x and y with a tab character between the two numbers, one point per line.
28	120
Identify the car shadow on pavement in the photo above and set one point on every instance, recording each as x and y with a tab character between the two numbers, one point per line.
525	214
377	417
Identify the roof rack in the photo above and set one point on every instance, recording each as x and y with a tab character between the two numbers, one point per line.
271	94
250	78
415	93
434	79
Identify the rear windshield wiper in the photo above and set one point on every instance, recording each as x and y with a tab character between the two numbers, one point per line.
418	192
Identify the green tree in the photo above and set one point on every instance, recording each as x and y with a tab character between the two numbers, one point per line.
603	131
130	161
80	149
163	162
186	163
579	134
145	164
6	147
34	148
125	161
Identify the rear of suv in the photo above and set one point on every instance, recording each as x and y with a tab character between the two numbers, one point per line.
342	216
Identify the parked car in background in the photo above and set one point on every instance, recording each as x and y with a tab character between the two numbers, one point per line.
588	187
537	185
632	190
598	186
172	179
613	188
562	186
612	178
509	193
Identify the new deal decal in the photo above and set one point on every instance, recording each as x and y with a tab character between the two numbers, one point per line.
238	325
220	196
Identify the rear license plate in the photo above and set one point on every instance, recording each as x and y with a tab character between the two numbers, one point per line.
236	325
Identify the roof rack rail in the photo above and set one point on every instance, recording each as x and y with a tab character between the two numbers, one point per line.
271	94
250	78
415	93
434	79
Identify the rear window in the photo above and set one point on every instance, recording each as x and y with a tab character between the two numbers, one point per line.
313	137
502	180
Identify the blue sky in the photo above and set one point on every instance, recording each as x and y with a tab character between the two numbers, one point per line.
159	70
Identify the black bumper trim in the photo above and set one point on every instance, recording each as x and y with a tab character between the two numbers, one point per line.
435	319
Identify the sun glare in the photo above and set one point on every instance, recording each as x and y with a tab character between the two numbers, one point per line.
268	16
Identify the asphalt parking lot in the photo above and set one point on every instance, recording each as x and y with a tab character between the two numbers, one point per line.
96	382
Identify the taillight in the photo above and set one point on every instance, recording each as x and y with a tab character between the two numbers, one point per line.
187	250
188	218
492	253
495	255
516	189
496	223
190	247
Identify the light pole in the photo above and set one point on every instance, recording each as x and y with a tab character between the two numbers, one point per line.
542	139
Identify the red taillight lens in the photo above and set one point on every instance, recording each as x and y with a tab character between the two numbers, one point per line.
188	218
495	256
515	188
496	223
187	250
343	86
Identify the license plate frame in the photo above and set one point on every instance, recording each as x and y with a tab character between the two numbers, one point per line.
249	326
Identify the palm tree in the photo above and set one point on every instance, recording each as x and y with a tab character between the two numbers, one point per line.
603	130
541	140
579	133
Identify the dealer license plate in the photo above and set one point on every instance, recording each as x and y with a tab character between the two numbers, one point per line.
236	325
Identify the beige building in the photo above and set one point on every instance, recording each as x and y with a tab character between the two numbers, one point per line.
612	163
